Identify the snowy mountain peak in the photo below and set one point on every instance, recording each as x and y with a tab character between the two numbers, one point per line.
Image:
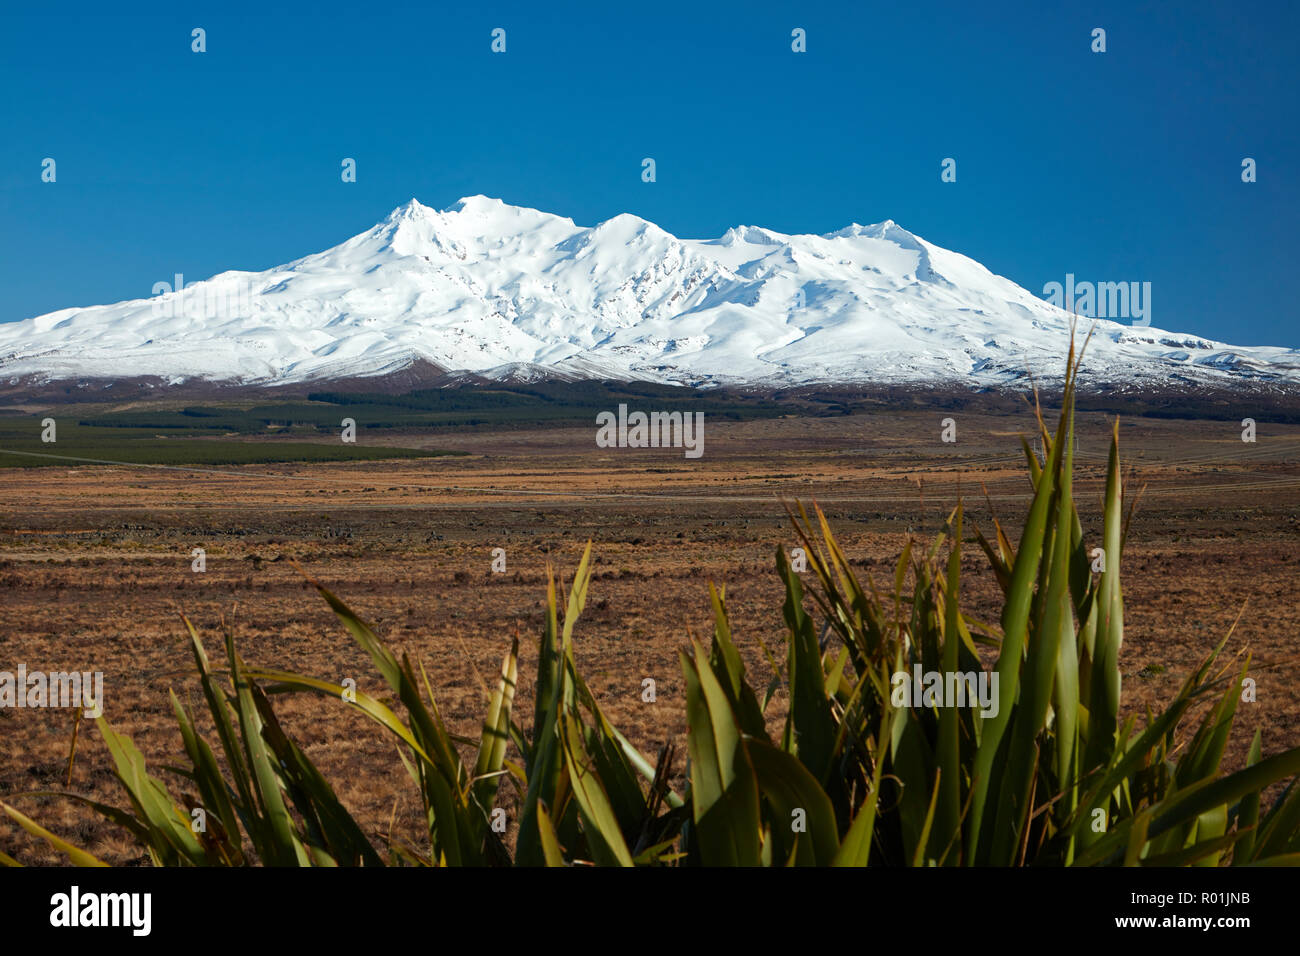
753	235
627	228
880	230
480	205
409	209
503	290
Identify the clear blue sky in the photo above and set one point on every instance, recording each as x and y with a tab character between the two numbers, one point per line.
1117	166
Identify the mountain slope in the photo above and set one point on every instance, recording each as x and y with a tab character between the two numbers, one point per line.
506	291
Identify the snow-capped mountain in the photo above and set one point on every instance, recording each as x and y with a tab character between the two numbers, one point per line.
506	291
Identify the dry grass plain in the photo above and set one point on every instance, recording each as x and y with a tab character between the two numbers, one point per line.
95	570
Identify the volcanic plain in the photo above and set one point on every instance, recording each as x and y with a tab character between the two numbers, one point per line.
97	565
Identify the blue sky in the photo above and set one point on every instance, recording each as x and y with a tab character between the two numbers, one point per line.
1122	166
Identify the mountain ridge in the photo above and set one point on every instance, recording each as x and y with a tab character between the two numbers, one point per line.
495	290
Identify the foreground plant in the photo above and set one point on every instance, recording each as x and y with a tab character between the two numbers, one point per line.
856	774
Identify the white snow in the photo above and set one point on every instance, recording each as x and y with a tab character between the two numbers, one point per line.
501	290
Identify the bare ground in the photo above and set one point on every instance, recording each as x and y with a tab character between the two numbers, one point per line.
95	569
